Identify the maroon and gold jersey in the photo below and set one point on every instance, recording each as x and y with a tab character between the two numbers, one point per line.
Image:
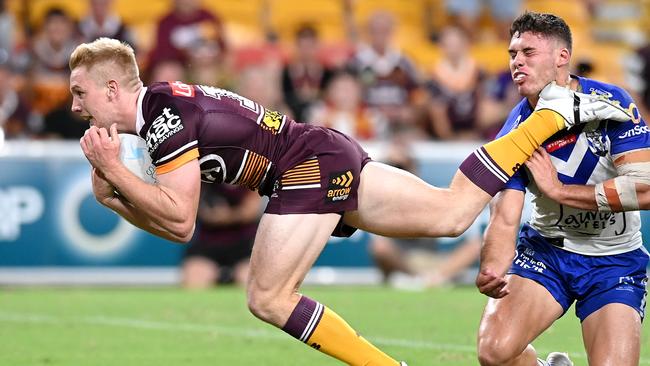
236	140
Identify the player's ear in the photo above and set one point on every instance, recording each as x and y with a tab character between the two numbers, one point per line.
111	89
564	57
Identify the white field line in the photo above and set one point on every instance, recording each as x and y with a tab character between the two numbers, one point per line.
233	331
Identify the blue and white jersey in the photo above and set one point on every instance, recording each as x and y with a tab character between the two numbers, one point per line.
585	155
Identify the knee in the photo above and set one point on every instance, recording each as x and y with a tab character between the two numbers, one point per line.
494	352
260	304
267	305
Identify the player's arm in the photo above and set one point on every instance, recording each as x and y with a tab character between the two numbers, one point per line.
167	209
499	242
629	191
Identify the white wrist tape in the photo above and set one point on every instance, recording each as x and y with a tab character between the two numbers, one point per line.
639	172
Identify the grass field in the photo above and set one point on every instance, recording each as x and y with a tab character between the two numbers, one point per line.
165	326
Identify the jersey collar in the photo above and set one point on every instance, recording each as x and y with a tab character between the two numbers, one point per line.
139	119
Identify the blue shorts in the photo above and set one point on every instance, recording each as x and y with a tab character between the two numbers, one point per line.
591	281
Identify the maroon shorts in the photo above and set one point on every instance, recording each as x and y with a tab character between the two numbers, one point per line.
324	183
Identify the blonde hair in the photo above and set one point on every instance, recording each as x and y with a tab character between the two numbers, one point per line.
108	58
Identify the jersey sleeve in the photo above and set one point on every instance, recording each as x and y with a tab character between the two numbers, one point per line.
171	131
519	180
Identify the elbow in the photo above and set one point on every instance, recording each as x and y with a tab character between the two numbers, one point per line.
182	233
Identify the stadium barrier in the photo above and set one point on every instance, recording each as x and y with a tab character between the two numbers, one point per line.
52	231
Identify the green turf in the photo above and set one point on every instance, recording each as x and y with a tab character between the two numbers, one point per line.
156	327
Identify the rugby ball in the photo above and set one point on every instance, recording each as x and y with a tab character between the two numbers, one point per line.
135	156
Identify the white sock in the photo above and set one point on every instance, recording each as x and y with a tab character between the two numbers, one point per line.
541	362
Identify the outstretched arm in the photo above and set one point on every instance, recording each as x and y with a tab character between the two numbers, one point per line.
630	191
499	242
167	209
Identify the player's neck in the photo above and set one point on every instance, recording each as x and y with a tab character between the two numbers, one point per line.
130	110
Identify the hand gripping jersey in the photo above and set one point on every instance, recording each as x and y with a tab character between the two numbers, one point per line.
236	140
585	155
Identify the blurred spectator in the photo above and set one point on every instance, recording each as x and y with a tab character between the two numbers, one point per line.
455	89
7	26
421	263
343	109
260	82
500	97
207	67
305	76
226	224
178	31
101	22
467	12
389	78
14	112
167	70
49	62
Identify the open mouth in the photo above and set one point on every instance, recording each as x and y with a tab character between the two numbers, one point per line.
518	77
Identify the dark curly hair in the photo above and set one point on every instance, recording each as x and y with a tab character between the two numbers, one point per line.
544	24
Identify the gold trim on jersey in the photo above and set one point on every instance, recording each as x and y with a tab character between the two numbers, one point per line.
303	175
181	160
253	169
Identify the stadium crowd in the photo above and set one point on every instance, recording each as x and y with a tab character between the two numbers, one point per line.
361	82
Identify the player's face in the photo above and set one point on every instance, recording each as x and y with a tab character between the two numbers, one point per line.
89	100
533	62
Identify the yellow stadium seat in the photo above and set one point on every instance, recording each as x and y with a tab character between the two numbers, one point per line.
142	12
575	13
38	8
410	16
609	68
491	56
325	15
242	19
425	55
236	11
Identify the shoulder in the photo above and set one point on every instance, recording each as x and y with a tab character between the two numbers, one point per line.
606	90
520	112
176	93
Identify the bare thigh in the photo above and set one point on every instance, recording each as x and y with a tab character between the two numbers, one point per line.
612	336
394	202
507	324
286	247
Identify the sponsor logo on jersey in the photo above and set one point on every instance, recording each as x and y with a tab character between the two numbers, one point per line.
181	89
272	121
587	222
558	144
601	93
636	131
597	142
166	125
340	186
634	111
